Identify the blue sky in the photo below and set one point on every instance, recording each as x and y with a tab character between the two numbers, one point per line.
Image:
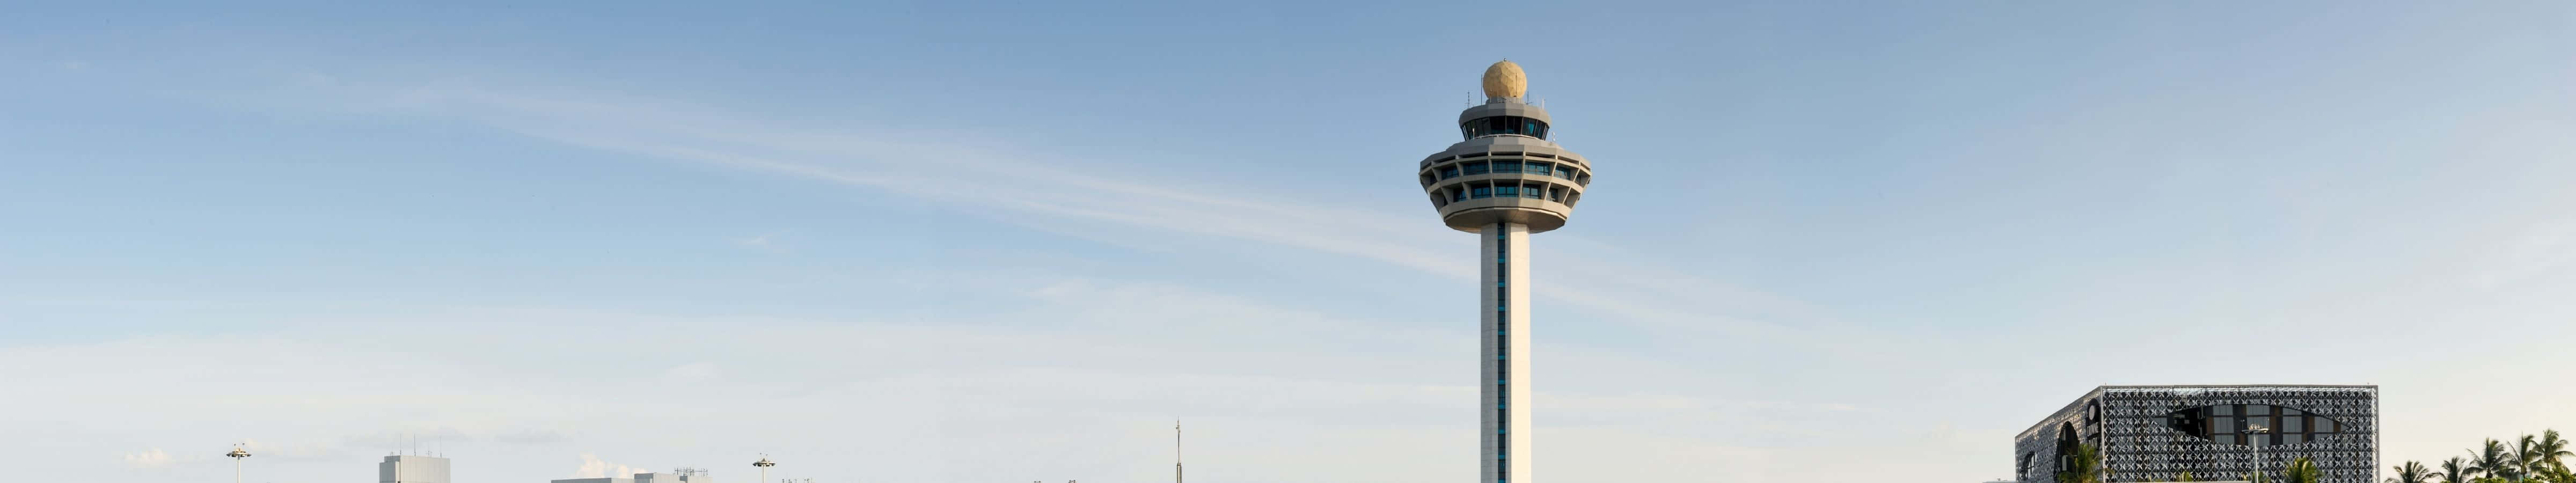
943	241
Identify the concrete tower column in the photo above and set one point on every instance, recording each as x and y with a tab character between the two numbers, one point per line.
1505	374
1505	182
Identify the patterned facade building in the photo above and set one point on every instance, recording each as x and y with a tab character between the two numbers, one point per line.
2156	433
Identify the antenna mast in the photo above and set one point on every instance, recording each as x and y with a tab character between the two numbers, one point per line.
1176	451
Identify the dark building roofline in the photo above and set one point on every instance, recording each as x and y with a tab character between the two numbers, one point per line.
2088	394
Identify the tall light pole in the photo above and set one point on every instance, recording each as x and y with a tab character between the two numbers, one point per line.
764	465
237	456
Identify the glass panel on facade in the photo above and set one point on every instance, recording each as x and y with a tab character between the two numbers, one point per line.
1507	166
1540	168
1507	191
1449	172
1480	192
2223	410
1476	168
2258	409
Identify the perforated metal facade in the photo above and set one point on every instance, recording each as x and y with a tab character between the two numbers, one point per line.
2155	433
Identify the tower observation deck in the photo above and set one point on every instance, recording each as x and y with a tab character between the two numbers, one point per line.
1503	183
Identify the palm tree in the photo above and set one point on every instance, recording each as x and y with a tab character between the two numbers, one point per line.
2493	460
2525	455
2458	470
2088	466
2553	475
2553	451
2300	471
2412	472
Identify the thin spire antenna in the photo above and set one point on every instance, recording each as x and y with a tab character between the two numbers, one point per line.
1176	451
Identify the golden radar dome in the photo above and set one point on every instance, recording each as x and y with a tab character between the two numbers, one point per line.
1504	81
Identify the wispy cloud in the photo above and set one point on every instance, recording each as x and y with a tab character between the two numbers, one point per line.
593	467
154	458
964	169
767	242
691	372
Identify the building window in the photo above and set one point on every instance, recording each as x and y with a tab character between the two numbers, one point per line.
1450	171
1507	191
2250	424
1456	194
1566	172
1531	191
1503	125
1480	192
1507	166
1555	193
1540	168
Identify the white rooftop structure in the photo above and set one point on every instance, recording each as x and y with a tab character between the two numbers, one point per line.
683	476
412	469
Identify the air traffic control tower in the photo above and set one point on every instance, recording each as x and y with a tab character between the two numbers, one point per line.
1503	183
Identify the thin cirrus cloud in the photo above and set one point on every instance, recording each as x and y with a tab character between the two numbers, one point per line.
153	458
1597	277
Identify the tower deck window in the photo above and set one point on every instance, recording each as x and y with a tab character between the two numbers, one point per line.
1475	128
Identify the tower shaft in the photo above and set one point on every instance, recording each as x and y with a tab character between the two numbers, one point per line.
1505	378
